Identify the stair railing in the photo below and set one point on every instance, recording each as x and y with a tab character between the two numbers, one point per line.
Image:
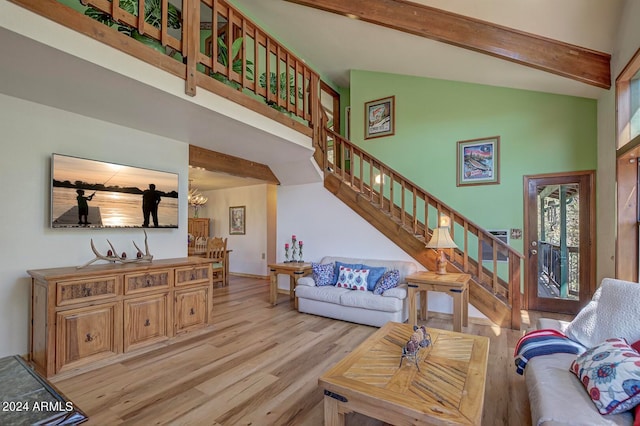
215	41
419	212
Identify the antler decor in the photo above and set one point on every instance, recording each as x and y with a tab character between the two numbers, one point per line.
113	257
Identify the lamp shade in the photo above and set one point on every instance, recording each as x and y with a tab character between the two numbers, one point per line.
441	239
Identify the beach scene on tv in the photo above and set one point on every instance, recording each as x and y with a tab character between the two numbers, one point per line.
95	194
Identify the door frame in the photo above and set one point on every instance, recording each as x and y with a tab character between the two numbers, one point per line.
586	181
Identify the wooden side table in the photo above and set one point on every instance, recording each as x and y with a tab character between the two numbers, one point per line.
456	285
294	270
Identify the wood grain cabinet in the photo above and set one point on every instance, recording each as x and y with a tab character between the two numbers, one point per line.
199	226
105	313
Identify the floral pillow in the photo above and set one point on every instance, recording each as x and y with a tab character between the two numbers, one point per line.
610	372
323	273
355	279
390	279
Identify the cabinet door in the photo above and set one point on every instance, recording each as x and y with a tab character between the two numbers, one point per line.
145	321
88	334
191	308
199	227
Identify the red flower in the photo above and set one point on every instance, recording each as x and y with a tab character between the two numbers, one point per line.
286	245
594	393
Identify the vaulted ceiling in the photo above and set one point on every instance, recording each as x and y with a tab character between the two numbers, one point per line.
335	43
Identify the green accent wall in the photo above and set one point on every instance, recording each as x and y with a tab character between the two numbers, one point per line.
539	133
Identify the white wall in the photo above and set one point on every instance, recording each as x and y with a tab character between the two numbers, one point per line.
30	134
248	250
328	227
628	42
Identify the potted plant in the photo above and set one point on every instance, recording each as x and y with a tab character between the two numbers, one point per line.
236	64
153	16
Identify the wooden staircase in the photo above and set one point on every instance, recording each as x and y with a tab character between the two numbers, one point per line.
399	209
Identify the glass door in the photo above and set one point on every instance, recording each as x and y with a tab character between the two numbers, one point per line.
560	234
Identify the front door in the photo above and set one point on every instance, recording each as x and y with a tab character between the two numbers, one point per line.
559	241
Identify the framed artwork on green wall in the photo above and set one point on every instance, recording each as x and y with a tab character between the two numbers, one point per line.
380	118
478	162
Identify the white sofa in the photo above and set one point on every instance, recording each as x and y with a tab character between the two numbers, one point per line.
556	395
361	307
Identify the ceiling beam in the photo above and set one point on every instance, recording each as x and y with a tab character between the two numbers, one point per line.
574	62
218	162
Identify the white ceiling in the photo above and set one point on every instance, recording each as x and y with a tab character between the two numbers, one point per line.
333	45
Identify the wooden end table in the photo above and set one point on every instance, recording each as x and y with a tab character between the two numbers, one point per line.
448	389
456	285
295	270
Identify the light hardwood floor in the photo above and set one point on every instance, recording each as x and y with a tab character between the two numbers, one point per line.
259	365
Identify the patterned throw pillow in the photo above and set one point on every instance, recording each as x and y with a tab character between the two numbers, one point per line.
390	279
355	279
610	372
375	273
322	273
346	265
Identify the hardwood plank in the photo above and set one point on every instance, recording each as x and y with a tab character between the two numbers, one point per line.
575	62
260	365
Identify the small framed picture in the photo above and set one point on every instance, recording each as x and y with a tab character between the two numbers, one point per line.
380	118
237	220
478	162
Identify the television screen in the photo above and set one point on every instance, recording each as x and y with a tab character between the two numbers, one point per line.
95	194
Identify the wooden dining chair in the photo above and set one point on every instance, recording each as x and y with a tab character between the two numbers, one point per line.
200	245
217	249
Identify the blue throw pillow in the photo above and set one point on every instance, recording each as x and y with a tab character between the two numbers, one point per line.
375	273
390	279
323	273
346	265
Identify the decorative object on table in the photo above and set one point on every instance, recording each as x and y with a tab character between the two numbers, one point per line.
380	118
293	248
418	340
112	257
440	240
286	252
478	162
196	200
300	255
237	220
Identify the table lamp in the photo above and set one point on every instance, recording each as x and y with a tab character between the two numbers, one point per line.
440	240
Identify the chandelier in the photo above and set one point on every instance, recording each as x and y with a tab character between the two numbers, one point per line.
196	199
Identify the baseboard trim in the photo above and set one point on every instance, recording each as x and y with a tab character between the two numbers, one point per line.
260	277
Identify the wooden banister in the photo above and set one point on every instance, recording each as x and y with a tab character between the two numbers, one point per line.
399	198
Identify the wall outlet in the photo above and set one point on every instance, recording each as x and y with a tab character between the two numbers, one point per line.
263	256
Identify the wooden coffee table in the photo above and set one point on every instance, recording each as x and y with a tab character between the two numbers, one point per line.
448	389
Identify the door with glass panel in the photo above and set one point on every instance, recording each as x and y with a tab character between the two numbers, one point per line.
559	241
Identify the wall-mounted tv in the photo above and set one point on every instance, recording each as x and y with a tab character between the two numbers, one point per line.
95	194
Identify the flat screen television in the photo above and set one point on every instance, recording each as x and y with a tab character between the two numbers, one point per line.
96	194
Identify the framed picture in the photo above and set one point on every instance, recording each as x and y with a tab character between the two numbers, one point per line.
380	118
237	220
478	162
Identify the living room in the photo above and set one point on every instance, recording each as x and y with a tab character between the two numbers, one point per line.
45	116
